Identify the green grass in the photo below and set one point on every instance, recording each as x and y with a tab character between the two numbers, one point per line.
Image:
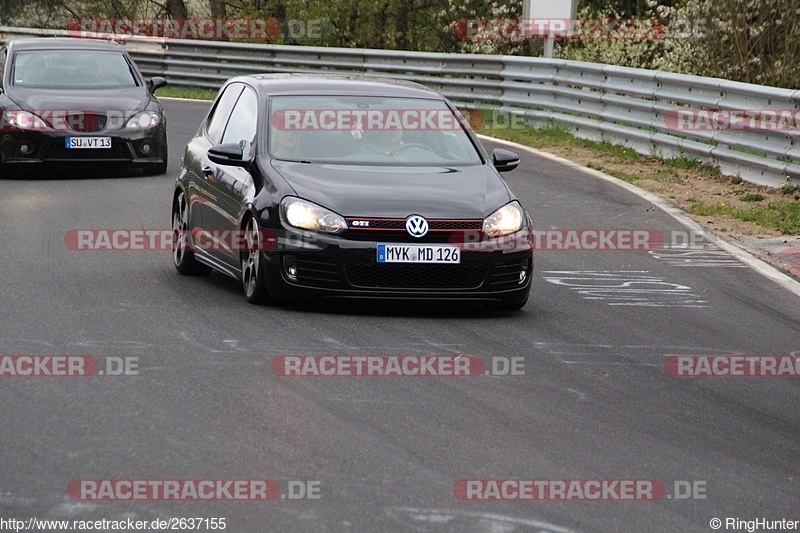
693	164
685	162
789	189
626	176
749	151
780	215
548	136
752	197
187	92
666	175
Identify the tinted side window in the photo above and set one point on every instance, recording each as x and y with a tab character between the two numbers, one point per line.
219	117
244	119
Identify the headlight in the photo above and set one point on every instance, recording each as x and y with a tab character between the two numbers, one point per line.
306	215
24	120
506	220
144	120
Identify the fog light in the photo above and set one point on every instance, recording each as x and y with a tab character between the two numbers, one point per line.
290	266
25	148
145	148
523	274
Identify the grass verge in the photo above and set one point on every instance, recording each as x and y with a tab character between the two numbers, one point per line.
187	92
783	216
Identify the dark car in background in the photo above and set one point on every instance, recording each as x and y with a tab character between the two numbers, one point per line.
306	186
77	101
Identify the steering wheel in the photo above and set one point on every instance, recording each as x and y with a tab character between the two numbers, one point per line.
410	146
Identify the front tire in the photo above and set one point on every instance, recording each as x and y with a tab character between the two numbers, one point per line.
253	276
182	255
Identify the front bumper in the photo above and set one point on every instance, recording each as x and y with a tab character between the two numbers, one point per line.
336	267
30	148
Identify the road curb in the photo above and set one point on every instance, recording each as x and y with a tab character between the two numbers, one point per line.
742	254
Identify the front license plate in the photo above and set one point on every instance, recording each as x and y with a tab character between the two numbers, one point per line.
87	142
418	253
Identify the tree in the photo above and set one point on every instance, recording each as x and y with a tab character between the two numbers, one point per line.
177	9
753	41
218	8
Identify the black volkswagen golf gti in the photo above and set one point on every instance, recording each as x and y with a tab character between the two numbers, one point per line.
305	186
77	101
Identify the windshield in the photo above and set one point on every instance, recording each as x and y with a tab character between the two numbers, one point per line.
366	130
58	69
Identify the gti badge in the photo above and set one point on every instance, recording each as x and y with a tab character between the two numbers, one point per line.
416	226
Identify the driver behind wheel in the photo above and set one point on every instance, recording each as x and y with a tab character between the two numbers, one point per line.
383	142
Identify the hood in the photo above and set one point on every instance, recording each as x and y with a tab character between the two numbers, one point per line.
116	101
380	191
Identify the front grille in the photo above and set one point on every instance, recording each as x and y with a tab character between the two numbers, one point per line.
456	225
386	236
399	224
440	230
391	276
317	273
86	122
119	150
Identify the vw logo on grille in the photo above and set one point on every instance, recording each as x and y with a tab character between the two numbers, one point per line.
416	226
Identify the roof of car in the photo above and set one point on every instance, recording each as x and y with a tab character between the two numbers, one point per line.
324	84
62	43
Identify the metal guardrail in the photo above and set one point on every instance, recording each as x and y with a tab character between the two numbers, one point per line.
626	106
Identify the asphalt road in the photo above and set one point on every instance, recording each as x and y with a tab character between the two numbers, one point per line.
594	401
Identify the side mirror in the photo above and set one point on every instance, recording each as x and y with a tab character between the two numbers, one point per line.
504	160
156	82
227	154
